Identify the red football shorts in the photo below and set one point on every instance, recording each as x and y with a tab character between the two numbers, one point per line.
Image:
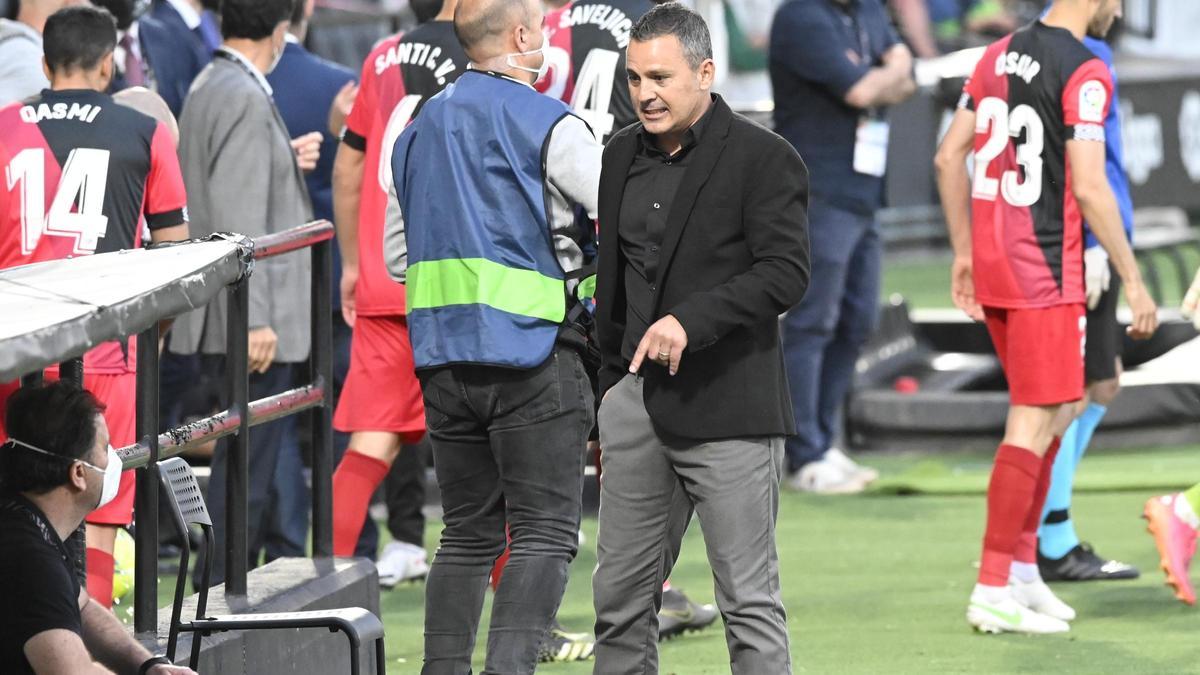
118	394
1041	351
381	392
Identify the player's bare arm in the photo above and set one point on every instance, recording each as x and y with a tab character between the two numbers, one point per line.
886	84
347	185
954	186
1094	195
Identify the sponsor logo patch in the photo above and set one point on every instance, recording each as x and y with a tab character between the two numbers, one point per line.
1092	98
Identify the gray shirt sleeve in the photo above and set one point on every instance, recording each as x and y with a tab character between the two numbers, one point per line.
572	177
21	73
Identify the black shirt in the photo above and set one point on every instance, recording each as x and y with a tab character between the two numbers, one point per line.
42	591
650	189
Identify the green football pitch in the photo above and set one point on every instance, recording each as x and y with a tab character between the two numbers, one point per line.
878	583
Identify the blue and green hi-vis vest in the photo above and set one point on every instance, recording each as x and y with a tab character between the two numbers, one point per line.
483	285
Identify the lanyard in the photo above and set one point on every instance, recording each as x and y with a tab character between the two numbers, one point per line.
851	19
254	74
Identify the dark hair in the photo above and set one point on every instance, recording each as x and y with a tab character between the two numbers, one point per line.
686	25
253	19
425	10
78	37
59	418
298	7
122	11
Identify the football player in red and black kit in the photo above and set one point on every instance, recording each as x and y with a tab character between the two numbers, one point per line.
83	174
585	61
1033	113
380	405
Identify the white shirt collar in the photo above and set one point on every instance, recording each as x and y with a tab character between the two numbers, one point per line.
237	56
291	39
190	16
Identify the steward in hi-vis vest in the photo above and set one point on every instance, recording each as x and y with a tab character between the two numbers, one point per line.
493	259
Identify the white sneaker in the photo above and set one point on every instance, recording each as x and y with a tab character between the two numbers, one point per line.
825	477
1036	595
1009	616
864	473
401	562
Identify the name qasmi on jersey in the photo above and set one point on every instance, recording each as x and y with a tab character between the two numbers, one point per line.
60	111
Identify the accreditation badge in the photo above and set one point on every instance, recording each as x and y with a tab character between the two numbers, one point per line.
870	146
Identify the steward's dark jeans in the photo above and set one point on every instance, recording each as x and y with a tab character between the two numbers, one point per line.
508	447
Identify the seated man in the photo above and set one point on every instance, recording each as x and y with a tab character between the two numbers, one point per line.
55	468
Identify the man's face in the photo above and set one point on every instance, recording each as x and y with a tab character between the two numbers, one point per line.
668	92
98	457
1107	12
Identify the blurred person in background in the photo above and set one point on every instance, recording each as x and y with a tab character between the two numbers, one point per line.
132	68
835	67
380	406
306	89
179	45
1061	555
21	73
64	157
245	175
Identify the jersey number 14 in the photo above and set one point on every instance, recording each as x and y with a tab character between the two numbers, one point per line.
993	117
77	210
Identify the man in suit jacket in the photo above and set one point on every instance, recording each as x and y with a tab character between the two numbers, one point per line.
178	42
703	244
243	176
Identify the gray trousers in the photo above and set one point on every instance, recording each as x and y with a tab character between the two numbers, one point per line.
649	488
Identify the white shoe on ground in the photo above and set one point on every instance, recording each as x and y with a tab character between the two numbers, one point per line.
825	477
401	562
1009	616
864	473
1036	595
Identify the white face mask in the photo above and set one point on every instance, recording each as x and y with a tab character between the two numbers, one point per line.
112	473
539	72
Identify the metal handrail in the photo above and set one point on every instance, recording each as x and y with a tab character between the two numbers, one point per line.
236	421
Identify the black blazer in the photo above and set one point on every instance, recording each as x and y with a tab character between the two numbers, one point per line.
734	257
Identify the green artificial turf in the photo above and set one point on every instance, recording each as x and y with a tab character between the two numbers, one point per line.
878	584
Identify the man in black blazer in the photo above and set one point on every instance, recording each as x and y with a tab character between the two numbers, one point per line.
703	244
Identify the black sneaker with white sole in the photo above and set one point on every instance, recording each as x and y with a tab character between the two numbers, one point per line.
680	615
1082	564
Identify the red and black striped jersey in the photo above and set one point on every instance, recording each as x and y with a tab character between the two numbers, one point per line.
81	173
585	55
1032	92
400	74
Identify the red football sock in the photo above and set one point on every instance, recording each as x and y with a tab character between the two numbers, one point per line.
1026	550
100	576
1010	492
498	568
354	483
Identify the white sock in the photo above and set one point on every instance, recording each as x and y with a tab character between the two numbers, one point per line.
990	594
1185	512
1025	572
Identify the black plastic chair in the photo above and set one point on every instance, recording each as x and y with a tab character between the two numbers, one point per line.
188	508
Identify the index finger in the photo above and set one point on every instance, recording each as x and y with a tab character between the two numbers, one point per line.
636	363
